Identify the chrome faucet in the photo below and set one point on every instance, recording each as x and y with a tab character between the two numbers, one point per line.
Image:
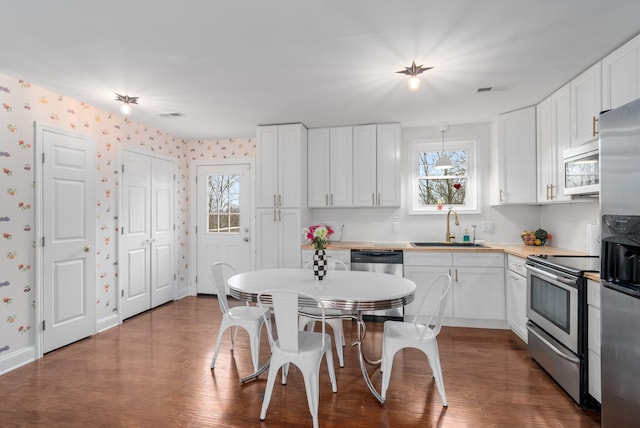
449	237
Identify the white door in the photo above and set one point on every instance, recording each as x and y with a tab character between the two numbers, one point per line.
223	219
147	262
68	224
135	232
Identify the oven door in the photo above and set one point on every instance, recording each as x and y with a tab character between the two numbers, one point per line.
552	304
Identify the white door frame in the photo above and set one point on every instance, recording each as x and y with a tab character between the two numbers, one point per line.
119	204
193	194
39	230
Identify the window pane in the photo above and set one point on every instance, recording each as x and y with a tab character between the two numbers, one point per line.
450	191
427	160
224	200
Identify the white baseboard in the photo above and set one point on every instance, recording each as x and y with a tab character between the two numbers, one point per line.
107	322
181	293
17	359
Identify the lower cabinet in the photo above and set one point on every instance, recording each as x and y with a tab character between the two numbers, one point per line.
516	284
593	357
278	238
477	296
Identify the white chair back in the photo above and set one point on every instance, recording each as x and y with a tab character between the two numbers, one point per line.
442	283
285	304
218	274
332	264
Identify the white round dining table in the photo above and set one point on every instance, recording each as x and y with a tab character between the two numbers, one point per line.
350	291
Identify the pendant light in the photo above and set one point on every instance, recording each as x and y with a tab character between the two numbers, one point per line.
443	162
413	71
126	100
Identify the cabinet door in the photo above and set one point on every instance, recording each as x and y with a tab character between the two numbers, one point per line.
545	151
364	166
423	276
561	137
621	75
517	154
266	238
388	165
478	293
517	304
586	104
341	175
267	166
292	159
318	167
289	238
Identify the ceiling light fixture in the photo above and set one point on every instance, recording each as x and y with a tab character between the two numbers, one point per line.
126	100
443	162
413	71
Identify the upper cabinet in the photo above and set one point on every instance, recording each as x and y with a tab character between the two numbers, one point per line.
553	118
586	105
621	75
329	167
355	166
281	153
517	156
376	165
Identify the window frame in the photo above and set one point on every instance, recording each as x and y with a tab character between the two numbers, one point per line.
472	188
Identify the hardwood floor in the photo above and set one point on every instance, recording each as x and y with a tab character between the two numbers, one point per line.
153	371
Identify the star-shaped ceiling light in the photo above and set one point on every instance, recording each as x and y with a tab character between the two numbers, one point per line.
126	100
413	71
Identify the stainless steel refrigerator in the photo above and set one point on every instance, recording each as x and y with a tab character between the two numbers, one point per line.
620	270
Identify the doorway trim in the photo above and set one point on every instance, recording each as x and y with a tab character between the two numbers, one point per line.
193	194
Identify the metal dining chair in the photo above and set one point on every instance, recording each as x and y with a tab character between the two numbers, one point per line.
250	318
308	316
399	335
305	349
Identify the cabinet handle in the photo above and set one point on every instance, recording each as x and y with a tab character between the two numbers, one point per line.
274	215
501	196
547	192
373	199
378	199
594	132
275	204
457	280
326	199
551	186
280	216
332	199
279	200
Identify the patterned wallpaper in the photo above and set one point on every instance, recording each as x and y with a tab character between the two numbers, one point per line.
22	105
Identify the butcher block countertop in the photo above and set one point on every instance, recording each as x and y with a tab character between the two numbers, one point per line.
519	250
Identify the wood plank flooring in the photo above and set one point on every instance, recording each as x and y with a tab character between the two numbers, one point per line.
153	371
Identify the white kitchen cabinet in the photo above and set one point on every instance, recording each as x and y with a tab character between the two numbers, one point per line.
586	104
278	238
376	165
621	75
477	296
594	339
281	159
516	284
329	167
281	188
553	120
517	157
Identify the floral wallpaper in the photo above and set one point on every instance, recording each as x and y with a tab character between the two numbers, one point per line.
22	104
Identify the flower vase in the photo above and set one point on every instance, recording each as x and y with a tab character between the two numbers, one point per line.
319	264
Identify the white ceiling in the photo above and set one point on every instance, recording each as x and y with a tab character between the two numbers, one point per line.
228	66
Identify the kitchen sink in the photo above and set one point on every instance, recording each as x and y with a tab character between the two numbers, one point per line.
447	244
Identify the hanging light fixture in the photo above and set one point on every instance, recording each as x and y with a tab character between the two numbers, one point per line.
413	71
126	100
443	162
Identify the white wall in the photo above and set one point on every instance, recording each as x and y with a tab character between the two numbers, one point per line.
568	223
369	224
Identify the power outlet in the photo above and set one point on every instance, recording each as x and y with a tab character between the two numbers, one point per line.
395	226
488	226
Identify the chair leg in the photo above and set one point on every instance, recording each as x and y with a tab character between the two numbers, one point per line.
285	372
436	368
234	330
332	372
218	343
385	367
312	387
271	379
254	342
338	336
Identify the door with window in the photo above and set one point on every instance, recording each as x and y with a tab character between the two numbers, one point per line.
223	220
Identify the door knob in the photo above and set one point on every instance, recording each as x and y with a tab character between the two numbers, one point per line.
245	239
87	248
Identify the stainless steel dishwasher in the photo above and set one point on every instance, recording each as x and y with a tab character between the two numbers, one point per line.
380	261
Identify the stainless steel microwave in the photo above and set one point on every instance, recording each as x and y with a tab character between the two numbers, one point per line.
582	169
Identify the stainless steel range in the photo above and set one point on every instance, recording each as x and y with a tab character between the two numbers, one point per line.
557	312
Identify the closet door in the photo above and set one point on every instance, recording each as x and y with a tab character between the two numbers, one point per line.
146	262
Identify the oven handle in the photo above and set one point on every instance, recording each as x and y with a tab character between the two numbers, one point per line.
569	357
546	274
